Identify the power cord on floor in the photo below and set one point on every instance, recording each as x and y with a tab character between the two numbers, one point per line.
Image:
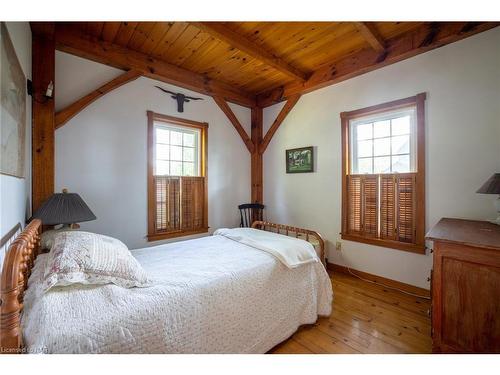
384	285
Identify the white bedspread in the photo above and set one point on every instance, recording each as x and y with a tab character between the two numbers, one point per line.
212	295
292	252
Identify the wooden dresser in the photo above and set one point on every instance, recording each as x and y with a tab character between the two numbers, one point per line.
466	286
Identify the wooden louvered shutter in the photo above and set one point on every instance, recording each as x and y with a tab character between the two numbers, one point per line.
167	204
388	215
161	191
180	203
388	207
362	205
193	203
369	198
354	204
174	194
405	198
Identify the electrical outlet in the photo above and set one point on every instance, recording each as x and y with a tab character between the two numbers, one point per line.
338	246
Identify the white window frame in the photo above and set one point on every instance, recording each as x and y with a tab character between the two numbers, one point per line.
182	129
383	116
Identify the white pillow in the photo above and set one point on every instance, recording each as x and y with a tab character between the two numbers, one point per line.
48	237
79	257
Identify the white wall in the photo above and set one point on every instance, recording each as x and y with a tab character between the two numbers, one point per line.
15	193
462	82
101	153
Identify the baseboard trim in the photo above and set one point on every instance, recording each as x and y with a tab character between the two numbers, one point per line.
380	280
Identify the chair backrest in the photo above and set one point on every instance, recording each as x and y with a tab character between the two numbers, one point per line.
250	212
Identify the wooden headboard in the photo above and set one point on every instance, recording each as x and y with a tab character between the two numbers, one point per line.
7	240
305	234
17	266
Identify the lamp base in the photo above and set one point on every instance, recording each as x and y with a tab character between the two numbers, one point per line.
70	226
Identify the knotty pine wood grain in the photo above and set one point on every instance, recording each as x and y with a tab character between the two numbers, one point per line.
123	58
271	59
419	40
220	31
366	318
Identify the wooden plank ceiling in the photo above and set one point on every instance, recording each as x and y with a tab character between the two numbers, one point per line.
254	58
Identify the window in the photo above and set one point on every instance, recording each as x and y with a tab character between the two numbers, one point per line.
383	143
177	186
383	171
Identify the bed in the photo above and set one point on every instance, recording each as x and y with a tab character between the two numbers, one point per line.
211	295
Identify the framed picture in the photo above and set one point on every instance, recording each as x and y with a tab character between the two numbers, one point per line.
300	160
12	109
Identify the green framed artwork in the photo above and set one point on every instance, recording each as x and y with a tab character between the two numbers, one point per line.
300	160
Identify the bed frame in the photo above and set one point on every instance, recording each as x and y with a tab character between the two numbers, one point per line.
305	234
17	265
20	258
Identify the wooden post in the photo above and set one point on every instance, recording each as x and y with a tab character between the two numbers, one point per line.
43	131
257	177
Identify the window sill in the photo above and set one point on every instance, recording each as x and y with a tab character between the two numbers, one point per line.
168	235
410	247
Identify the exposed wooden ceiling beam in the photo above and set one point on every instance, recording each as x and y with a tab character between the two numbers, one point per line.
279	119
221	32
371	34
66	114
234	120
417	41
126	59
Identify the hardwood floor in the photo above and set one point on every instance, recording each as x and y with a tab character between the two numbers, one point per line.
366	318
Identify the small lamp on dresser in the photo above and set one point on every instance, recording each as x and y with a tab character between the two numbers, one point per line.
492	186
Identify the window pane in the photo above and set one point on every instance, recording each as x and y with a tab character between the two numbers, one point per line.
401	144
382	146
382	164
176	153
189	139
176	168
364	131
162	135
401	163
401	125
188	154
188	169
365	165
175	138
162	151
381	129
365	148
161	167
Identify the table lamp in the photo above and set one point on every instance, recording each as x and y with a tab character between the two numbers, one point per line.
492	186
64	208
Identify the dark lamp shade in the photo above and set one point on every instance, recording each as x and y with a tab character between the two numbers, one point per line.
64	208
492	186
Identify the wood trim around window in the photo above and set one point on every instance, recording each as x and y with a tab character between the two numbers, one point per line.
153	235
417	101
